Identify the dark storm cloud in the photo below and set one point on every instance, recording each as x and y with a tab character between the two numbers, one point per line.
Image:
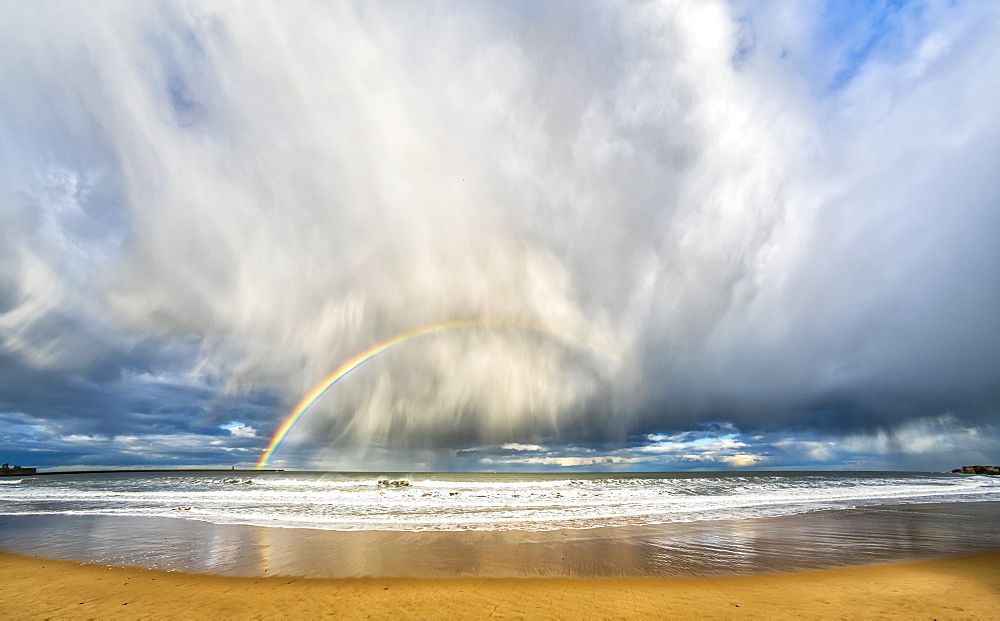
775	223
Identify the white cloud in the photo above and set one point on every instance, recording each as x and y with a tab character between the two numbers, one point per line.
240	430
742	461
514	446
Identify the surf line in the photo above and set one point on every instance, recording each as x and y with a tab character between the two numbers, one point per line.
378	348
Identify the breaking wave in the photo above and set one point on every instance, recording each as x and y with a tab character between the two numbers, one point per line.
336	501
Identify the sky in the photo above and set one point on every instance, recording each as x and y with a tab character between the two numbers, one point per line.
756	235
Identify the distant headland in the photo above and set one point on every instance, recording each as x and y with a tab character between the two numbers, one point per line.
6	470
978	470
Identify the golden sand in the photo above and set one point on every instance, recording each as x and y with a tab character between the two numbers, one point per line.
965	587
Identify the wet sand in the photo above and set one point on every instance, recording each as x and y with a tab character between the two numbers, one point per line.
964	587
817	540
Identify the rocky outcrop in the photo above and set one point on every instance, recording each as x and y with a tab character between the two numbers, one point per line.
978	470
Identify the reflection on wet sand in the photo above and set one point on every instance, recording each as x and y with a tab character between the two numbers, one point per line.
814	540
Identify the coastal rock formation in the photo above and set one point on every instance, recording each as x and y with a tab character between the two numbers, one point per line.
978	470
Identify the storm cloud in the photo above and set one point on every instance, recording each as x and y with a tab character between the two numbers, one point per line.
769	230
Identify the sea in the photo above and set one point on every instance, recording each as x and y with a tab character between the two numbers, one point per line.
348	501
448	524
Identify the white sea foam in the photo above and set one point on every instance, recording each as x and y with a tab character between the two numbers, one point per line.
481	502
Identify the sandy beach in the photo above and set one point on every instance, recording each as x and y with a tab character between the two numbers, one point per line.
964	587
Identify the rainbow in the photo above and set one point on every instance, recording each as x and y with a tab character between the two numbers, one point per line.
378	348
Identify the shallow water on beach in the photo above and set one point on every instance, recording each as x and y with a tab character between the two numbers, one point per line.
822	539
347	525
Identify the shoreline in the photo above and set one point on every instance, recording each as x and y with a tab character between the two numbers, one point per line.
818	540
956	587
